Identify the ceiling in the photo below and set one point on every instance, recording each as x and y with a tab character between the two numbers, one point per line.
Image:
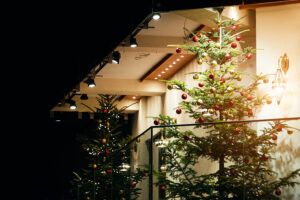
138	67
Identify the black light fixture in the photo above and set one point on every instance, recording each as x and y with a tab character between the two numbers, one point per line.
72	105
156	16
133	42
91	82
84	97
116	57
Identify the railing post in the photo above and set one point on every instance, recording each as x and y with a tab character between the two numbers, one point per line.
151	166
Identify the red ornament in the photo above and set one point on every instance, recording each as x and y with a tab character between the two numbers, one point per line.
211	76
237	131
178	111
106	187
279	128
274	137
242	93
278	192
201	120
222	80
195	38
232	172
250	113
246	160
106	152
217	107
234	141
249	97
248	55
178	50
186	137
234	27
163	187
105	111
122	159
209	41
234	45
187	157
133	185
227	56
201	84
184	96
156	122
109	171
265	157
238	37
231	102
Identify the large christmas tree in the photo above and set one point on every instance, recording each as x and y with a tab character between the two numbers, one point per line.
108	174
243	155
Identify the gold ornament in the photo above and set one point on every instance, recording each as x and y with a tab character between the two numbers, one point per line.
289	132
212	90
260	192
199	61
239	78
88	198
121	191
266	80
123	198
217	45
199	102
170	87
214	63
211	111
107	124
219	22
138	140
204	55
100	121
94	166
104	159
196	76
229	89
104	140
231	72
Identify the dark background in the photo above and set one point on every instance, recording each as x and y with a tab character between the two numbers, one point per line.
54	46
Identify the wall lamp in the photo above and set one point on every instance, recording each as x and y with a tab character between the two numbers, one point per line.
279	82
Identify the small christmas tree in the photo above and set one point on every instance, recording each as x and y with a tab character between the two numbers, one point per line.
108	175
242	154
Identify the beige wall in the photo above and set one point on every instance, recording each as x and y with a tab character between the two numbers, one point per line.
278	31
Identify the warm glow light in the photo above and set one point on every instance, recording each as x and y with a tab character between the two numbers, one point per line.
174	63
182	56
167	69
170	66
177	59
163	72
159	75
155	78
134	97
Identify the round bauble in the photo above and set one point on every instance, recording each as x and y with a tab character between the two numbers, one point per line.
184	96
211	76
217	45
265	157
186	137
234	27
214	63
204	55
250	113
211	111
229	152
195	76
279	128
94	166
178	50
209	40
242	93
195	38
248	55
238	37
266	80
170	87
222	80
156	122
234	45
103	141
201	84
199	102
278	192
163	187
122	159
201	120
274	137
104	110
249	97
229	89
88	198
289	132
239	78
232	172
246	160
216	107
227	56
109	171
231	72
212	90
269	101
231	103
133	185
237	131
178	111
199	61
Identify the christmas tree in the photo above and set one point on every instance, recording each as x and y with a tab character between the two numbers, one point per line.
242	154
108	174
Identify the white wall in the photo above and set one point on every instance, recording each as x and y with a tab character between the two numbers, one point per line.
277	32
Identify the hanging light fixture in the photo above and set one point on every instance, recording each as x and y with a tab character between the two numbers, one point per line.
72	105
91	82
161	143
133	42
116	57
279	82
156	16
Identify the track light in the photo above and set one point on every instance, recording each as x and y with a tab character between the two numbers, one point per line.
116	57
84	97
133	42
91	82
72	105
156	16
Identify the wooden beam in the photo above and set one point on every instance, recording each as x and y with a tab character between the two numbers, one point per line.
267	4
